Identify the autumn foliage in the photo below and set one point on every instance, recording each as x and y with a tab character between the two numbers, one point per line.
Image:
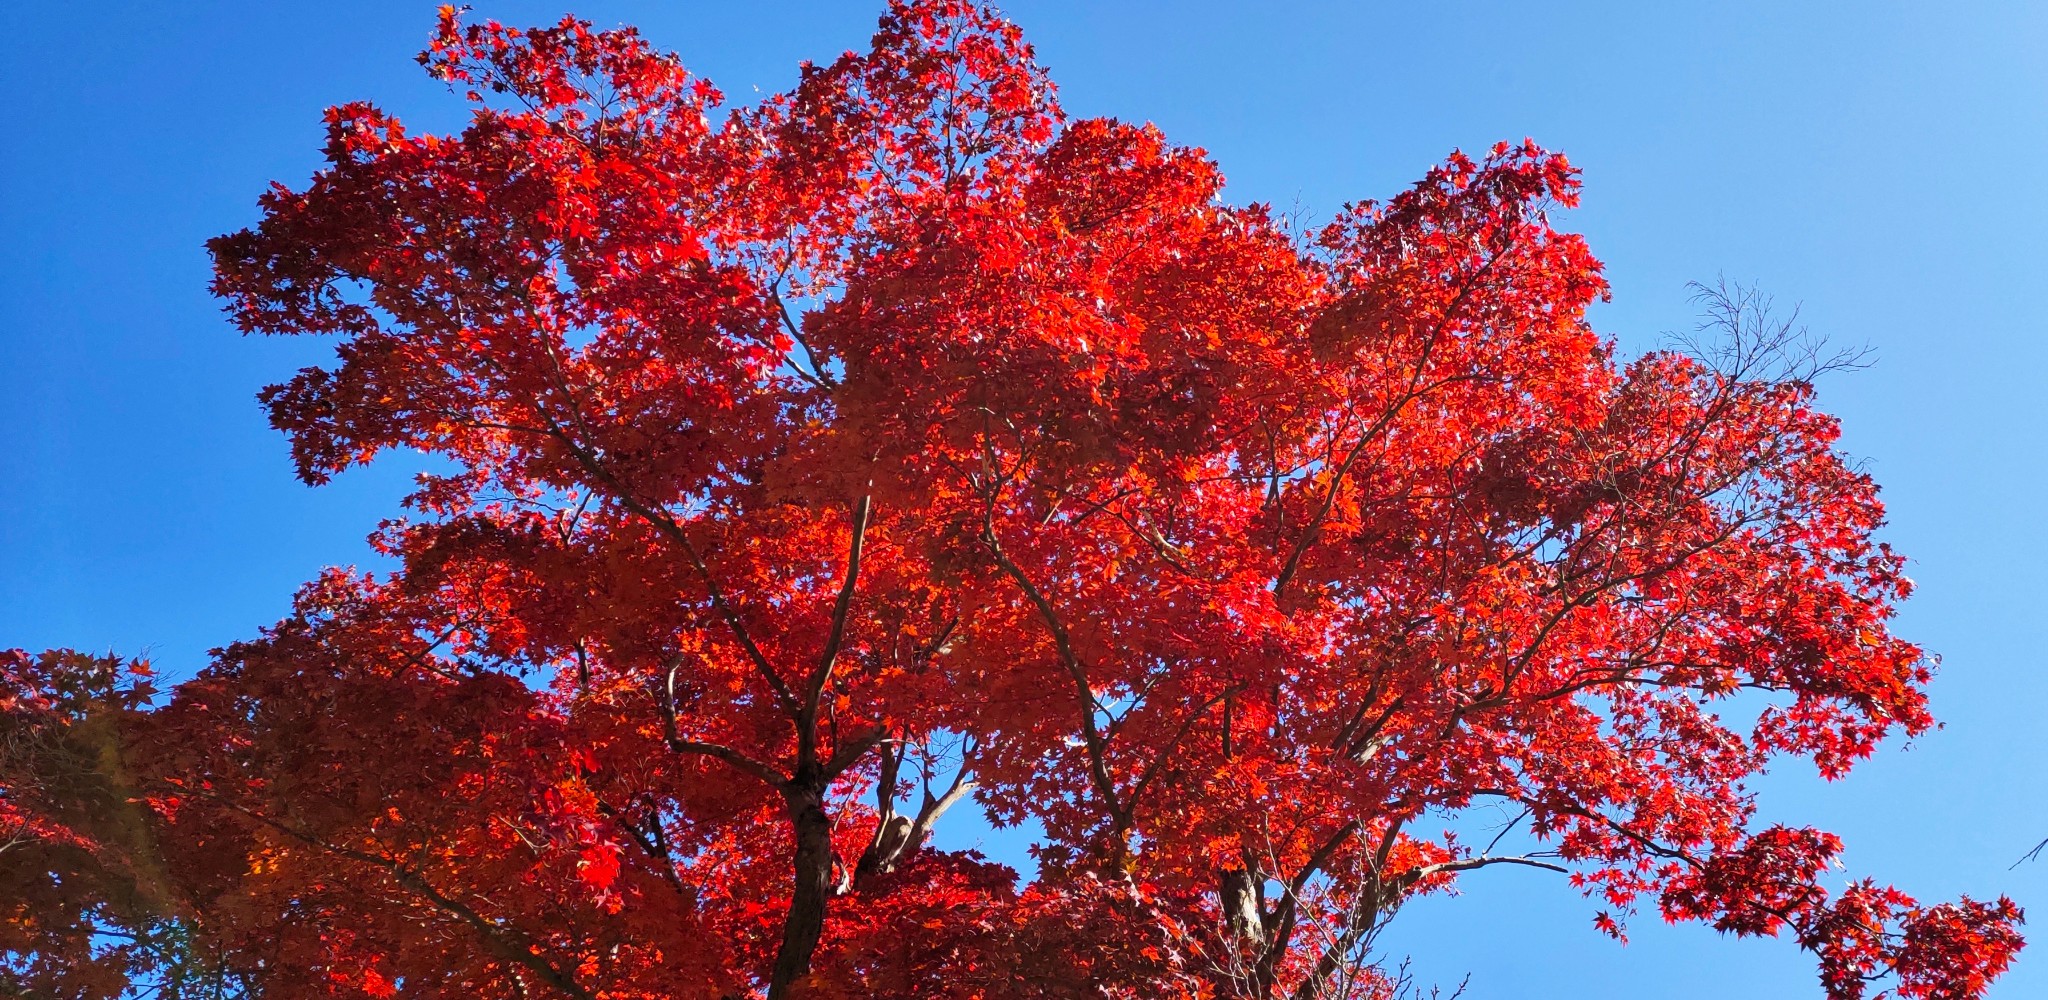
805	470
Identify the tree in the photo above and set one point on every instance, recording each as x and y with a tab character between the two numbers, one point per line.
807	468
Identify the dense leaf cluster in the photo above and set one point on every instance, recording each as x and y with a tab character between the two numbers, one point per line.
813	466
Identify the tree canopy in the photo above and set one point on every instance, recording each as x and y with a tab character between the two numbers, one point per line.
808	468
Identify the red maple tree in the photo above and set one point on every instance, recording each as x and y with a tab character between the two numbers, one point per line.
806	468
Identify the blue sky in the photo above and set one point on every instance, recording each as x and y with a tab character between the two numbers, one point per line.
1880	164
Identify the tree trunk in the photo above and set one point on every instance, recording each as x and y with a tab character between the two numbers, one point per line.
1241	907
1244	918
811	890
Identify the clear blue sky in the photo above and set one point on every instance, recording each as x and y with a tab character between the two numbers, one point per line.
1884	164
